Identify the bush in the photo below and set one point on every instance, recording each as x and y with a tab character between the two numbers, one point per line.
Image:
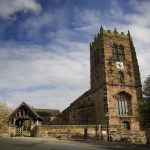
144	106
4	112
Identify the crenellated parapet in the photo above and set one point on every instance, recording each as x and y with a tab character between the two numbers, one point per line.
111	34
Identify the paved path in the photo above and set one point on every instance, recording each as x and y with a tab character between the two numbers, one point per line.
29	143
117	145
36	144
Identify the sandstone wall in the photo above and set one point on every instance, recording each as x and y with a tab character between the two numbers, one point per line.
116	133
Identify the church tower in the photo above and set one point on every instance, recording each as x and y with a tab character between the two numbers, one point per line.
115	77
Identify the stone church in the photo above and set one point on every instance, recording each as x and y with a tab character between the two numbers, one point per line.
114	94
115	84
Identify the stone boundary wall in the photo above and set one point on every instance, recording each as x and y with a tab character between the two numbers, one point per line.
4	131
67	131
4	134
116	133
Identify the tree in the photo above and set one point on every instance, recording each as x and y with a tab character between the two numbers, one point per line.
4	112
144	106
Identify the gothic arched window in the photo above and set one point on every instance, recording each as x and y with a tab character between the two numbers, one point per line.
123	104
120	76
83	118
121	52
115	51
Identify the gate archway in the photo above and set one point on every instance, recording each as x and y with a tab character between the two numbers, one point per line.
23	127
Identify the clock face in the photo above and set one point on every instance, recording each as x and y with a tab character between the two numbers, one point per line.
119	65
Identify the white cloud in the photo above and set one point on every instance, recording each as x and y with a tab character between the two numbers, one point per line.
33	25
140	6
33	66
57	98
35	73
57	19
54	75
139	26
9	7
87	20
115	12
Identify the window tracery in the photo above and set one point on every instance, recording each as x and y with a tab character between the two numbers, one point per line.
122	104
115	51
118	52
83	118
121	52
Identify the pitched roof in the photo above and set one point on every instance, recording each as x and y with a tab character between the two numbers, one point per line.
53	112
26	105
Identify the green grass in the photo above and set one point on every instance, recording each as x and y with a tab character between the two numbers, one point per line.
26	133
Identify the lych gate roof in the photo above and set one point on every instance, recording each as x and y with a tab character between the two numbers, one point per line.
28	108
37	112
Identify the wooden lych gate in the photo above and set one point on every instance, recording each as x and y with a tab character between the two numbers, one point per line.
22	113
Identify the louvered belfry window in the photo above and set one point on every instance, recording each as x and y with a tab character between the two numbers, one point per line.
118	52
115	51
121	52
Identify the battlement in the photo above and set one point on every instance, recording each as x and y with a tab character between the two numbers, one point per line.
108	32
115	31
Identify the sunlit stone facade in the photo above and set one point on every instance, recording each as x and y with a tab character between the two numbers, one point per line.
115	84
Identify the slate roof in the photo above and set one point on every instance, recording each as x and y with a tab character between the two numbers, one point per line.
28	107
37	112
51	112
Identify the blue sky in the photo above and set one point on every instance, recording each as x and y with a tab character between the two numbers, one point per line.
44	46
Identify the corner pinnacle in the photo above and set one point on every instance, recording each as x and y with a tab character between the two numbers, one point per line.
128	33
115	31
101	29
